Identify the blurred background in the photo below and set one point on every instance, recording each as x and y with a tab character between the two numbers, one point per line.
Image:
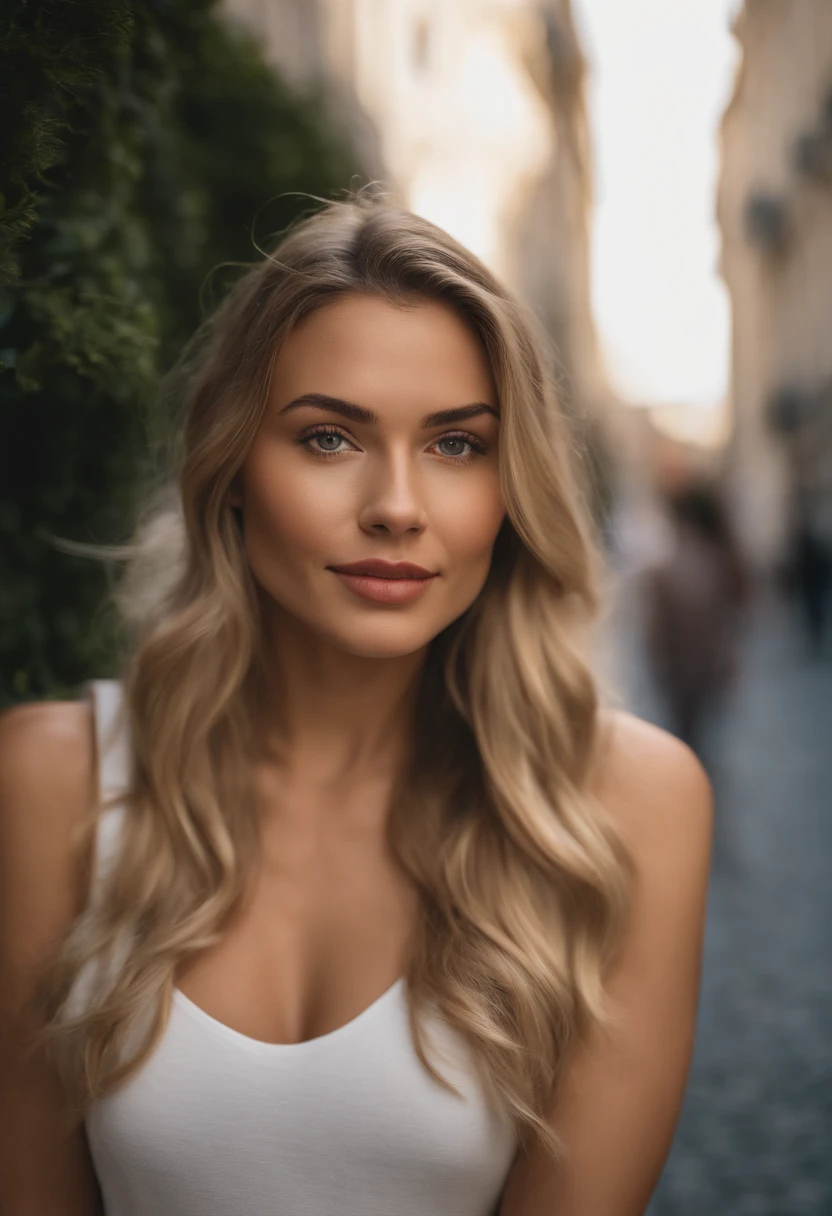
655	181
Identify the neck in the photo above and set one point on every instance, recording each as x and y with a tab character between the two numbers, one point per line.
331	714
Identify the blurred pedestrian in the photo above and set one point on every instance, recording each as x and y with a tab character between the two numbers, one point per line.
694	598
812	573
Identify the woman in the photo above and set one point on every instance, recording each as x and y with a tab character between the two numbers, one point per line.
384	914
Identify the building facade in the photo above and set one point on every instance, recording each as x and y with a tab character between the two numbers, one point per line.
775	214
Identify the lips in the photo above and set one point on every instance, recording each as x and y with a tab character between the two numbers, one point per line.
378	568
386	583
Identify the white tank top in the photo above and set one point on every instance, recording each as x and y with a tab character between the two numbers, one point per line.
348	1124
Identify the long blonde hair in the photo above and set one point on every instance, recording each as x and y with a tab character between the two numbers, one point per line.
522	880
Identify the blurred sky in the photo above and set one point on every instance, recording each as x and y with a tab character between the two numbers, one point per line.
661	75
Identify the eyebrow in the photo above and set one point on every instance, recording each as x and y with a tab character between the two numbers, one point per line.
360	413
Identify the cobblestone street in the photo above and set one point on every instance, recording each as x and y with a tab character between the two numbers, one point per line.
755	1137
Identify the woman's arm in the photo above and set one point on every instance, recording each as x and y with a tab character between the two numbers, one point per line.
619	1098
46	774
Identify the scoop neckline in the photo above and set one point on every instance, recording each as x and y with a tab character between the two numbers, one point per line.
262	1045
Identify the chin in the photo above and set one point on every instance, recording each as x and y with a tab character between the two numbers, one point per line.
386	634
379	641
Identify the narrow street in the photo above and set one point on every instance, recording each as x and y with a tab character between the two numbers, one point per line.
755	1137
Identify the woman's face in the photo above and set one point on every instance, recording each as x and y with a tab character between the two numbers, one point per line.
378	444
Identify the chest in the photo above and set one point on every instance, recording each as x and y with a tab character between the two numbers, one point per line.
348	1123
323	929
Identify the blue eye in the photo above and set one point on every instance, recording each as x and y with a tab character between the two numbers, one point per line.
468	447
459	441
328	440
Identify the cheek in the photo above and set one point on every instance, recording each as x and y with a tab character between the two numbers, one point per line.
469	524
287	508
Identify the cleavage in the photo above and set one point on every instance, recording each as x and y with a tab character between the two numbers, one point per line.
322	934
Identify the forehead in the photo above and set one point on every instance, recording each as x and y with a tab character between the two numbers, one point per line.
367	350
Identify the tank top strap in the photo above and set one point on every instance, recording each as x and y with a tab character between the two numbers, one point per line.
111	740
113	763
113	753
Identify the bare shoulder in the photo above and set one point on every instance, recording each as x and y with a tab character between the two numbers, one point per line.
25	725
47	774
46	752
47	758
653	784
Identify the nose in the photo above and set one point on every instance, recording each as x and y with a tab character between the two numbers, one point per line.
393	502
